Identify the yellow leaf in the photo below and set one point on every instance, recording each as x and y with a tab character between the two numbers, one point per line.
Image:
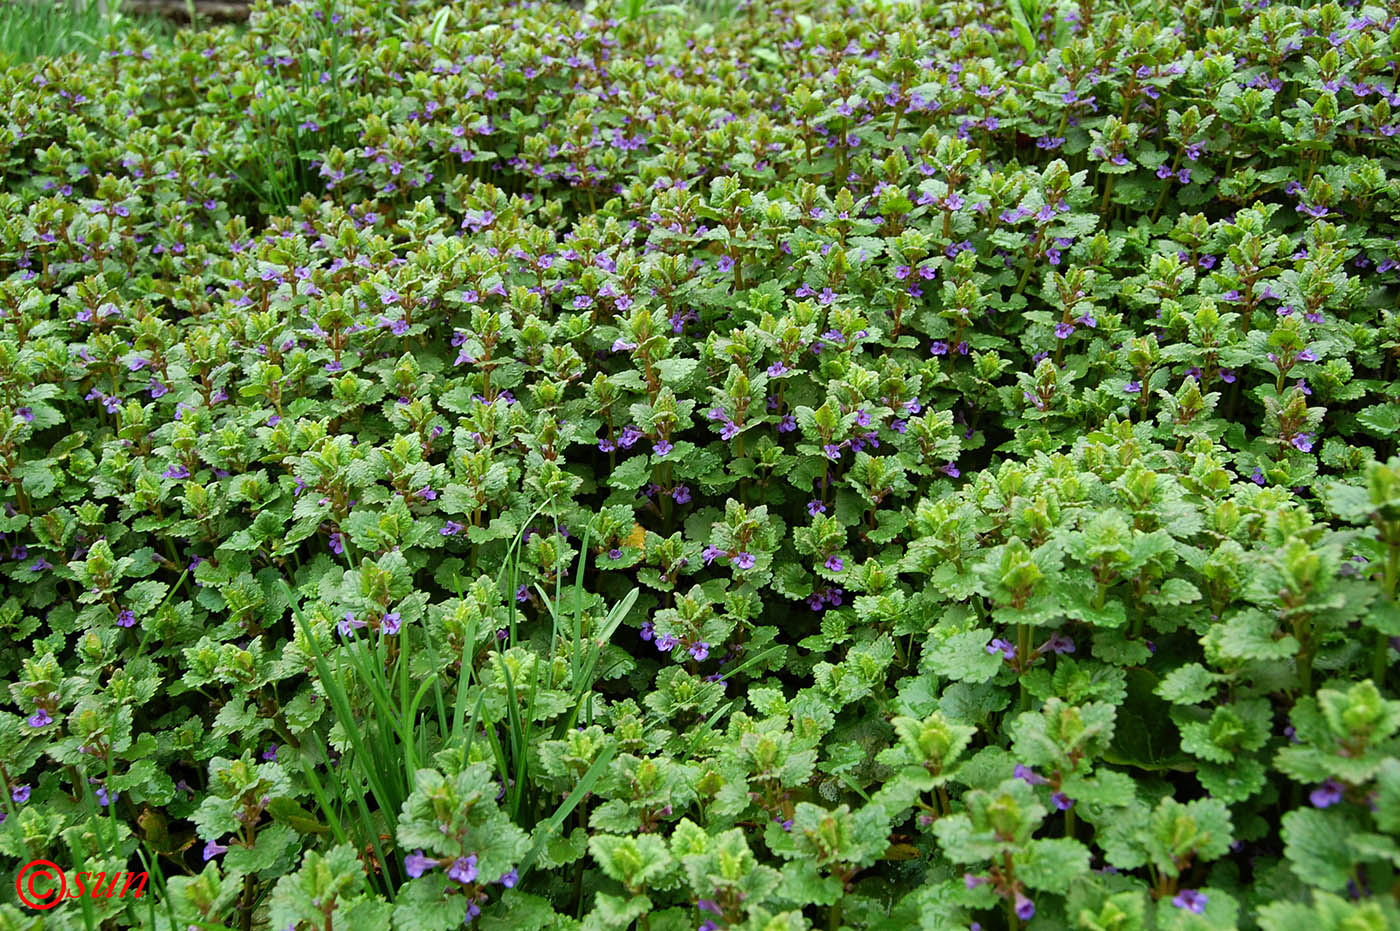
637	538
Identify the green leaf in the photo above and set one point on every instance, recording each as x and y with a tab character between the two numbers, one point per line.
1381	420
1250	635
1052	863
1388	796
1315	843
675	372
1191	684
963	656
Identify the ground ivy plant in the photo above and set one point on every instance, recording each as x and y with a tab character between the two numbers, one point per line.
845	466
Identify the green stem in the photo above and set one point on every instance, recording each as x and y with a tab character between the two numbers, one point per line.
1023	652
1380	660
1161	198
1025	275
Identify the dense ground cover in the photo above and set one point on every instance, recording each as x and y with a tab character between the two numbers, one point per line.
906	465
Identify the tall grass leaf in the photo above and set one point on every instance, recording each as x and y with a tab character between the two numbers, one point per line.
1021	27
340	703
584	787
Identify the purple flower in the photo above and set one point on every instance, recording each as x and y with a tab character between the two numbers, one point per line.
1058	643
416	864
787	424
26	414
630	436
213	849
20	794
832	451
950	470
1062	801
176	471
661	447
391	623
1005	648
427	494
1025	908
1063	331
450	529
815	507
614	553
349	624
103	797
463	870
1029	776
337	543
1327	794
126	618
665	643
270	754
1303	442
700	650
509	879
776	369
1191	899
725	263
681	494
40	718
711	553
1257	477
743	560
834	563
40	565
648	630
